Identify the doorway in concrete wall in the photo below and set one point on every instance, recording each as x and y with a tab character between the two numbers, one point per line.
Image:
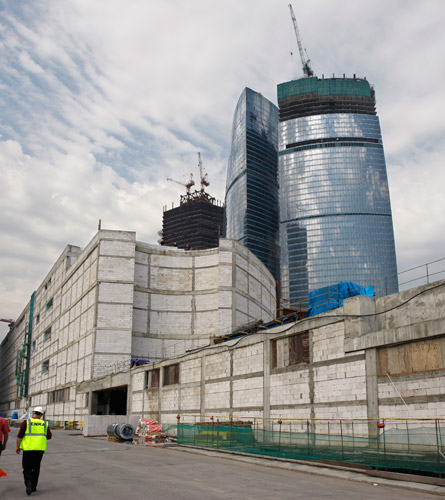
109	401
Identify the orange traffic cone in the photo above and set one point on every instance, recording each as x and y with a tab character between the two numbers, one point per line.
2	473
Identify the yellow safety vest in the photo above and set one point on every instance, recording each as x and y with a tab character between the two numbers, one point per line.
35	435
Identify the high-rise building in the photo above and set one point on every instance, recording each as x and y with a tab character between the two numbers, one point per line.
196	224
335	212
252	179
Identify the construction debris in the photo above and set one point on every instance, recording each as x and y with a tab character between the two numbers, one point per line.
149	432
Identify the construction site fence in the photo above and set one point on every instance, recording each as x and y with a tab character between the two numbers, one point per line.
390	444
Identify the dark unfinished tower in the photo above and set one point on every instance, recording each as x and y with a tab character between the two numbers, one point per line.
196	224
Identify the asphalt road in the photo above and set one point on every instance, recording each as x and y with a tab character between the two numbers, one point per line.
75	467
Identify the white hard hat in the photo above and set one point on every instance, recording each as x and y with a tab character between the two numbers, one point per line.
38	409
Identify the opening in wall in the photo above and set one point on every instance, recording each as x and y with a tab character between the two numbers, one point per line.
288	351
152	378
171	374
109	401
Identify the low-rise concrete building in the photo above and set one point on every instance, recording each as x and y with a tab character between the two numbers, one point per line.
119	299
371	359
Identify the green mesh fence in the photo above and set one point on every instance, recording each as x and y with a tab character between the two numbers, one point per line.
400	445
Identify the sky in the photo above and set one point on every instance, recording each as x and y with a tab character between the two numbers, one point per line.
101	101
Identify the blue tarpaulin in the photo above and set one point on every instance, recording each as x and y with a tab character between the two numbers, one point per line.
331	297
139	362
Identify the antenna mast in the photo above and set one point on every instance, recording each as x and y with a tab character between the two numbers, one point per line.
307	70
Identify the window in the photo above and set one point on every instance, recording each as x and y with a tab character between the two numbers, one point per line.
289	351
171	374
45	366
49	303
59	395
152	380
47	334
33	347
37	319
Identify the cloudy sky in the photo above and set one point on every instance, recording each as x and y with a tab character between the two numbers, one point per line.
102	100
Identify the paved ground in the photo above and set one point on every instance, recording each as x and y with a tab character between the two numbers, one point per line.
75	467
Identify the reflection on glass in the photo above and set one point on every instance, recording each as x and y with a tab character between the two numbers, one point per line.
335	211
252	184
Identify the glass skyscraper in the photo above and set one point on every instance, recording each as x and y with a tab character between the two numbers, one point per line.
251	214
335	212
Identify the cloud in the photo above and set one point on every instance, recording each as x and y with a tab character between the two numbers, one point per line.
102	101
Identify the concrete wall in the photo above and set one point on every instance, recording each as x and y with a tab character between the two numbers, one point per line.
353	369
182	298
117	299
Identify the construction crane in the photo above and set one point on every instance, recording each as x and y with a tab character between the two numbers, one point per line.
305	61
187	185
204	178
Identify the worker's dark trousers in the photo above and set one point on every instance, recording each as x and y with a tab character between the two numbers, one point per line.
31	467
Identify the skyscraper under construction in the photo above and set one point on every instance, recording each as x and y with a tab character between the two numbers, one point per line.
335	211
197	223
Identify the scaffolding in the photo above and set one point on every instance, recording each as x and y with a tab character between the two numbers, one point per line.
24	356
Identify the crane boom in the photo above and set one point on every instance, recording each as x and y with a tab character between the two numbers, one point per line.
307	70
187	185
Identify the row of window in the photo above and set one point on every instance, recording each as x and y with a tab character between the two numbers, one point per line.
48	306
287	351
170	376
59	395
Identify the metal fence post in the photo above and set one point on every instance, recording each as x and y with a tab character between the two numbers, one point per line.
342	449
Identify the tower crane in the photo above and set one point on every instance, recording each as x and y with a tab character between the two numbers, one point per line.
204	178
187	185
305	61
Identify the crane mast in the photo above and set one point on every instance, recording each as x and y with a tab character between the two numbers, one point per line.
204	178
307	70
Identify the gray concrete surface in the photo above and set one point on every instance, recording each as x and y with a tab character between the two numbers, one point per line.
75	467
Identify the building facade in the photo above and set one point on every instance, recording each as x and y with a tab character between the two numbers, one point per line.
196	224
119	299
335	211
374	358
251	200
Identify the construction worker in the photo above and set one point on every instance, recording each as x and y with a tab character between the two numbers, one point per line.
4	434
31	438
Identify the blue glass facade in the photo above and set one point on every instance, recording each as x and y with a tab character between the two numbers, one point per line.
335	212
251	201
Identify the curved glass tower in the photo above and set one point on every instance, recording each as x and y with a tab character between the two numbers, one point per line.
335	211
252	179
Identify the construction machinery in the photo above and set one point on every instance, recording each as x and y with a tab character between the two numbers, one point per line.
204	177
9	321
305	61
187	185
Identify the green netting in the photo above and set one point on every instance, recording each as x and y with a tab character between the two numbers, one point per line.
335	86
396	449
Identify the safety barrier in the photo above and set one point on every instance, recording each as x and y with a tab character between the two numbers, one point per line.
392	444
